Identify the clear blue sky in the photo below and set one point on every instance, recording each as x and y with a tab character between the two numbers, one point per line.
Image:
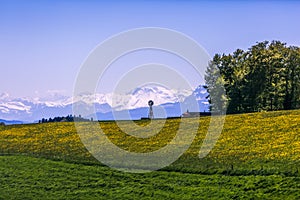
43	43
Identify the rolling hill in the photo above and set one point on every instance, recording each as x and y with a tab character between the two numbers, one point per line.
256	157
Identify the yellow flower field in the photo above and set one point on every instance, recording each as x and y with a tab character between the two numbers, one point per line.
258	139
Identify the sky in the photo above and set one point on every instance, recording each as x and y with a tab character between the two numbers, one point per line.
44	43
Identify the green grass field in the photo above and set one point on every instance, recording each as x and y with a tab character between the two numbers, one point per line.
257	157
25	177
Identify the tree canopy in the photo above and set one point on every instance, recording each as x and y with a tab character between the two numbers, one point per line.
265	77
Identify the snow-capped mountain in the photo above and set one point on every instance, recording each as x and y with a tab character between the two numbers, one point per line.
139	97
200	93
168	102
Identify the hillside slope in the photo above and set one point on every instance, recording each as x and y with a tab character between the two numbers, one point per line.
258	143
256	157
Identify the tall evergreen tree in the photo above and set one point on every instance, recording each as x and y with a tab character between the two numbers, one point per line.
215	86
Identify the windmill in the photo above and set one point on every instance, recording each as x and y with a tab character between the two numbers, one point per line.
150	115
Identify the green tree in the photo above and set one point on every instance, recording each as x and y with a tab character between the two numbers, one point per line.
266	77
215	86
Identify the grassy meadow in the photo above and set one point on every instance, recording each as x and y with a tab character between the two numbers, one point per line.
257	156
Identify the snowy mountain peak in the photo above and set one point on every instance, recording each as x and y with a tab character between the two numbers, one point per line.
30	109
200	92
150	89
159	94
4	96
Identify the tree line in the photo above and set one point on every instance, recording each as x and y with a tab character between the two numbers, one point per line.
68	118
265	77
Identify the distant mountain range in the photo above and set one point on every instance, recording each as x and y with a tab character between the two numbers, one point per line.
9	122
134	105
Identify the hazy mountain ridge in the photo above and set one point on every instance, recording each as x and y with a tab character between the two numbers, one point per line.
32	109
9	122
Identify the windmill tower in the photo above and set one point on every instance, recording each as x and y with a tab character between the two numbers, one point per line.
150	115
